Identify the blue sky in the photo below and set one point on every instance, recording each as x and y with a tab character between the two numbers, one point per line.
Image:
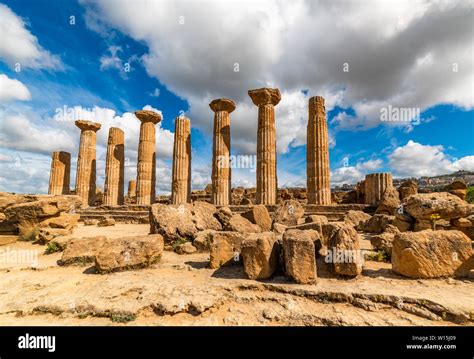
76	55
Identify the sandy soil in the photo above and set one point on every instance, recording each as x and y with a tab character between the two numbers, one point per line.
182	290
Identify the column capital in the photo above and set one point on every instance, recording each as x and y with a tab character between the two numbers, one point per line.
88	125
222	104
265	96
316	100
148	116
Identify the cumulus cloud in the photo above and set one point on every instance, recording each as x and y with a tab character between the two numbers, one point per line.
20	46
354	174
416	160
359	55
12	89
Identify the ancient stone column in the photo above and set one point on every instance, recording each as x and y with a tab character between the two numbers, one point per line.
114	168
266	99
146	167
221	171
132	189
59	177
317	153
86	162
181	175
375	186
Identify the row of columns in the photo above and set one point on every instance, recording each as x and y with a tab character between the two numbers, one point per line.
144	188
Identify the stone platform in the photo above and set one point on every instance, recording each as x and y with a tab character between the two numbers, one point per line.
139	213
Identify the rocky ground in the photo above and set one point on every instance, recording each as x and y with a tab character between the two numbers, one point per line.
183	290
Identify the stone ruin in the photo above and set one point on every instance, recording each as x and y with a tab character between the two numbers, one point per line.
264	229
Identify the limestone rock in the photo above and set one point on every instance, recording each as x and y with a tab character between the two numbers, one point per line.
421	206
81	251
356	218
203	216
299	254
407	189
378	222
260	253
279	228
345	244
315	218
432	254
403	222
118	254
384	240
389	202
237	223
91	222
186	248
203	240
106	222
225	249
289	212
259	215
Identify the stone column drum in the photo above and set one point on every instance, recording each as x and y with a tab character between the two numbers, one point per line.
146	167
375	186
114	168
317	154
60	174
221	171
181	175
266	99
86	162
132	189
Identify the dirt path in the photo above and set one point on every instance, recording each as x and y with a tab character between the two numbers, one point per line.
181	290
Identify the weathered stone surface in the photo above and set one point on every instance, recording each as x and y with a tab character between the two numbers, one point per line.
389	202
259	215
81	251
356	218
384	240
289	212
106	222
181	174
407	188
300	256
403	222
316	218
240	224
86	162
203	216
432	254
461	222
146	164
225	249
91	222
378	222
266	99
317	153
59	177
175	222
421	206
118	254
221	171
186	248
260	252
458	188
279	228
114	168
375	186
203	240
345	244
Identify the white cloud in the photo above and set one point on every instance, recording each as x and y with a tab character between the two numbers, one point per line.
18	45
416	160
354	174
399	53
12	89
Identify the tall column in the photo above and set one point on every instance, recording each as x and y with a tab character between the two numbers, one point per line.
146	167
86	162
266	99
181	177
132	189
59	177
114	168
221	171
317	153
375	186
